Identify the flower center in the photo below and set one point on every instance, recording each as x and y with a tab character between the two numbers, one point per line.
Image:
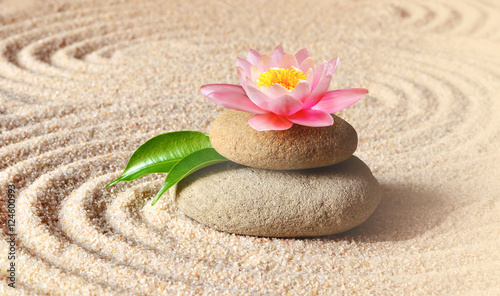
286	77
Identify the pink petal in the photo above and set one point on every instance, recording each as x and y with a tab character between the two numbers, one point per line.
288	61
255	73
235	101
319	72
285	105
253	57
301	90
278	54
269	121
256	96
242	75
302	54
306	64
333	64
274	91
262	88
266	62
311	118
319	91
230	88
310	76
249	81
244	65
340	99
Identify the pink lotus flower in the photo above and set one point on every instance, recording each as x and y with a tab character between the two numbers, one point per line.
283	89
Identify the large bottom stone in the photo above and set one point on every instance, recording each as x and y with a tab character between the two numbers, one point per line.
301	203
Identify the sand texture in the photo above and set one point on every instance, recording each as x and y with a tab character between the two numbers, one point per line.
84	83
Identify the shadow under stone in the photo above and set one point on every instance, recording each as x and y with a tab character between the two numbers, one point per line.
404	212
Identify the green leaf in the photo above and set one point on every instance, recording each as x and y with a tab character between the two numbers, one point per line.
188	165
161	153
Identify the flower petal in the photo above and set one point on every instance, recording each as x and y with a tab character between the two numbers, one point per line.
244	65
235	101
255	73
306	64
253	57
302	54
278	54
230	88
288	61
301	90
249	81
319	72
319	91
274	91
334	63
340	99
241	75
269	121
310	76
256	96
285	105
266	62
309	117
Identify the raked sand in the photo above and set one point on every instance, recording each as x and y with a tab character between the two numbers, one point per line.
84	83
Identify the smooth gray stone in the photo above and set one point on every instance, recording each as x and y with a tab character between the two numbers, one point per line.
300	147
299	203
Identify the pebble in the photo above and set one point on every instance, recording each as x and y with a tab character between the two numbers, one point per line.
299	203
300	147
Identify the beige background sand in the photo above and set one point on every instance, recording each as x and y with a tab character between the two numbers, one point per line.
82	84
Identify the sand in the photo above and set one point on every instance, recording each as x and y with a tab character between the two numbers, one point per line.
84	83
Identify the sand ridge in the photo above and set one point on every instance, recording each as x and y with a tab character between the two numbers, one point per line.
84	83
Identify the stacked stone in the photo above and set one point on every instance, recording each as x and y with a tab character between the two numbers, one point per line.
300	182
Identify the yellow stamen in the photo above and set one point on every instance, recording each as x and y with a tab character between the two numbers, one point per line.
286	77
